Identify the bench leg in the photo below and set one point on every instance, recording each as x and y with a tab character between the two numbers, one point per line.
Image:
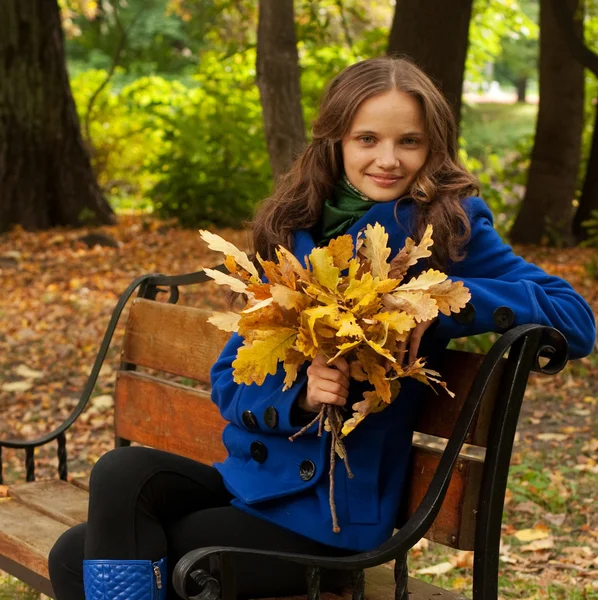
401	578
358	584
313	583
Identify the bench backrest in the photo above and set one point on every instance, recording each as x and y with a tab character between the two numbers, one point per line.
152	410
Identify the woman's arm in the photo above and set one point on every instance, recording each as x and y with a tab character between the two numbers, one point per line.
498	278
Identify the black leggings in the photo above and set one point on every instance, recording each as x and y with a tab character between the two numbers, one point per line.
147	504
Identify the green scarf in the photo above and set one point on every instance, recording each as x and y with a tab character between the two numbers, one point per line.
346	206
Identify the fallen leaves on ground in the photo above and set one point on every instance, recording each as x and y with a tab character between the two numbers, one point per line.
58	295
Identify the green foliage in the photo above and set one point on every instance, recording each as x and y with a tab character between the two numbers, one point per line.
214	164
196	151
591	225
492	22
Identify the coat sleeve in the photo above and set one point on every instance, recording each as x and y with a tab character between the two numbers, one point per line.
498	278
234	399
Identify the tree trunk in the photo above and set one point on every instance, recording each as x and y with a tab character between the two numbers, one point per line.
522	89
589	193
45	174
435	34
547	211
278	82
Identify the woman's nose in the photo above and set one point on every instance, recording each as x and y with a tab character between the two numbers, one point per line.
387	158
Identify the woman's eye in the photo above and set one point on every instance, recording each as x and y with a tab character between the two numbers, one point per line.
410	141
367	139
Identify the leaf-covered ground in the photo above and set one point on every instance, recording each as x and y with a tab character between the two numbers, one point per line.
57	297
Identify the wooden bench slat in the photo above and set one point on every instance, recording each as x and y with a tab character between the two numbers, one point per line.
379	585
440	412
27	536
179	419
168	416
455	524
184	343
57	499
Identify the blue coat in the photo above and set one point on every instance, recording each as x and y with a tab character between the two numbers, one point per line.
287	482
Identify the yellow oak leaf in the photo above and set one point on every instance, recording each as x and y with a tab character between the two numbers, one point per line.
418	304
227	321
375	371
270	270
325	273
375	250
293	360
357	288
450	296
236	285
288	298
341	250
396	320
319	312
260	291
410	254
348	326
258	306
353	267
267	318
288	261
261	358
215	242
357	371
424	281
343	349
305	343
231	265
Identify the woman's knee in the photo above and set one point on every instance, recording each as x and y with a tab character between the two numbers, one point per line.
121	466
66	556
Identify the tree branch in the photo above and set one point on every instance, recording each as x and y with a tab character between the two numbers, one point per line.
577	46
115	61
344	23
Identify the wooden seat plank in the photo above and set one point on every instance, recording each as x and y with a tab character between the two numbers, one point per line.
168	416
27	536
59	500
379	585
185	343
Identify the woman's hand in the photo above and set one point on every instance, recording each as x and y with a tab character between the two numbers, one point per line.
414	339
326	384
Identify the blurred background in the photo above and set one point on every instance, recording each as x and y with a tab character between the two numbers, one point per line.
125	125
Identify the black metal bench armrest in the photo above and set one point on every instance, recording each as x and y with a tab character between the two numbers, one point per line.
531	342
148	285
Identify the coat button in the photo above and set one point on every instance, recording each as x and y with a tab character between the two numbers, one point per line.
271	417
307	470
466	315
249	419
259	452
504	317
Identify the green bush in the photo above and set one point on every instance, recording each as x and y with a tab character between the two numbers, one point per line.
195	151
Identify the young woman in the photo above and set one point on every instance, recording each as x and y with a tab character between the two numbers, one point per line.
384	150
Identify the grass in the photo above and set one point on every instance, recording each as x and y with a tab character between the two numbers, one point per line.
496	128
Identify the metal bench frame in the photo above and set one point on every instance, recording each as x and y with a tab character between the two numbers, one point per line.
526	346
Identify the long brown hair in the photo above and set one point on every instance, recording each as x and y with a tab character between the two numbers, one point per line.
438	188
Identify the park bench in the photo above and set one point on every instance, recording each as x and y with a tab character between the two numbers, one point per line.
455	495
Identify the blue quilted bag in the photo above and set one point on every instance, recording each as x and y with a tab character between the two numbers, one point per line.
124	579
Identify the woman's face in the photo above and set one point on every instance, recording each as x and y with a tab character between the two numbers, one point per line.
385	146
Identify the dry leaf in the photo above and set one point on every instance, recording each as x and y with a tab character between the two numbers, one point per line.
439	569
27	373
530	535
540	544
17	386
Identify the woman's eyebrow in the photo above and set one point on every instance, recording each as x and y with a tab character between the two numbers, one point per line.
370	132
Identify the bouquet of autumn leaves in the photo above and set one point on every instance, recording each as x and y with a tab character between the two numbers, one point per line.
350	302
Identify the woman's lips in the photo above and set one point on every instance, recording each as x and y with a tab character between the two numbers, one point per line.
384	181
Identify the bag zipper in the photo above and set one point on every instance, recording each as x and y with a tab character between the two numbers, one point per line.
158	576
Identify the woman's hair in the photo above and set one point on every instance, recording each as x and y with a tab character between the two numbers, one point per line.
438	188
